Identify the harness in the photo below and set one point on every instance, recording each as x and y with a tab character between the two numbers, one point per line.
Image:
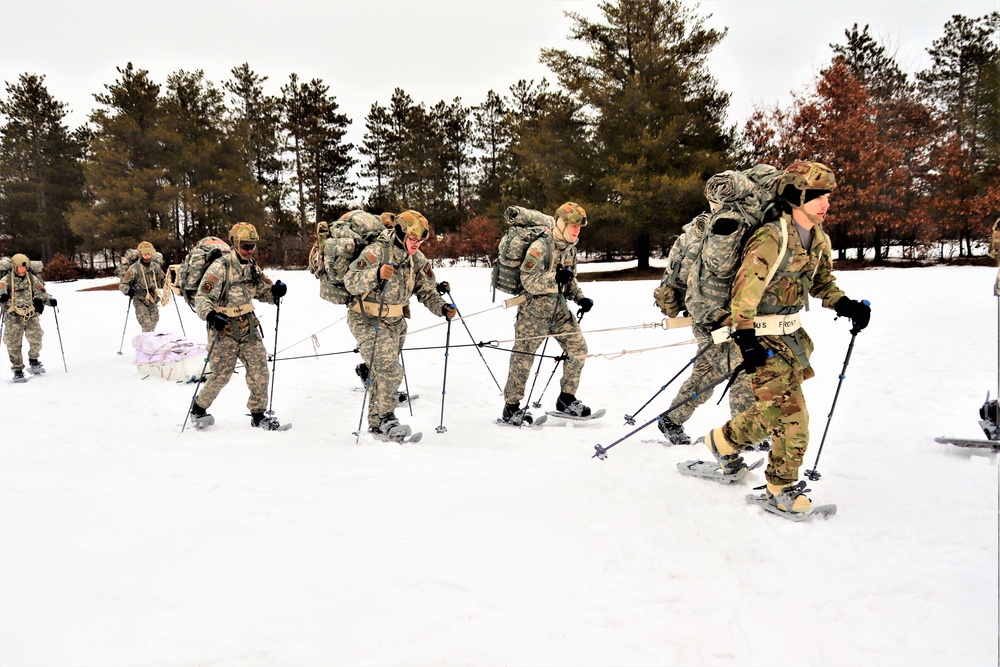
371	308
12	303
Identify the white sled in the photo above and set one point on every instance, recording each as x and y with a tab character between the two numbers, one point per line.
169	356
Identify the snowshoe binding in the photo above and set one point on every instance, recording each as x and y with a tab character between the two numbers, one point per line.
673	432
267	422
790	502
199	418
711	470
390	430
989	416
570	406
19	377
35	367
515	415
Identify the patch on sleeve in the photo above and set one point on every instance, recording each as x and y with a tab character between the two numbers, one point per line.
530	263
534	253
207	286
361	264
370	257
429	271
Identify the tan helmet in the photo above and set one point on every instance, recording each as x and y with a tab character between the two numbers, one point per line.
145	248
388	219
412	223
243	231
19	260
572	213
803	181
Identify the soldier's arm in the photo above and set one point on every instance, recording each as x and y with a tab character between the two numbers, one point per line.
210	289
535	276
573	290
761	252
425	285
127	280
824	285
362	275
262	291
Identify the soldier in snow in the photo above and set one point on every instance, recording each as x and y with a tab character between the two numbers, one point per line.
549	281
23	297
142	283
225	301
767	321
388	272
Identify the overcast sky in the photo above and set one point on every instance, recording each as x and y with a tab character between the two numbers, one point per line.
433	49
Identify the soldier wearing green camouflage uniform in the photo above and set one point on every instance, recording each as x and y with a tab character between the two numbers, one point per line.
388	272
549	281
23	297
765	322
142	283
225	301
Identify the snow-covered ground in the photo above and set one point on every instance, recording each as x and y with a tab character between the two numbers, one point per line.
127	542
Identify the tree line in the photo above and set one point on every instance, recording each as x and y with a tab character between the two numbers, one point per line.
631	127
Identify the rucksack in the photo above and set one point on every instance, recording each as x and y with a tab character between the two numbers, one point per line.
185	278
704	259
132	256
526	226
34	266
337	245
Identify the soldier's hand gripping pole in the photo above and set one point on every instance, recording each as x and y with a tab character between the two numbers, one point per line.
201	377
601	452
371	369
128	308
443	288
55	312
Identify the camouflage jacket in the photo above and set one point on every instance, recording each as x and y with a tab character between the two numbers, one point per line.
230	285
23	291
806	272
538	270
147	279
413	275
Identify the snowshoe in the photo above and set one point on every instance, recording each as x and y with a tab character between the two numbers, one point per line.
199	418
989	416
970	443
515	415
402	398
267	422
770	502
19	377
711	470
673	432
35	367
564	415
569	406
730	463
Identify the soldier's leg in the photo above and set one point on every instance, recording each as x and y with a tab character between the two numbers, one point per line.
576	351
33	332
254	357
387	371
12	335
528	332
145	315
222	361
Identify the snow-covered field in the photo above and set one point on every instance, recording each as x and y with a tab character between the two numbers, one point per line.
127	542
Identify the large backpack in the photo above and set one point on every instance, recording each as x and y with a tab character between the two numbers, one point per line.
705	257
185	278
132	256
7	265
526	226
337	245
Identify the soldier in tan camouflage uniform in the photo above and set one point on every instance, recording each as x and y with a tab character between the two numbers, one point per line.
225	301
390	271
549	281
766	320
142	283
22	297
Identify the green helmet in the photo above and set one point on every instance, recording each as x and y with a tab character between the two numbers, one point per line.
804	181
572	213
243	231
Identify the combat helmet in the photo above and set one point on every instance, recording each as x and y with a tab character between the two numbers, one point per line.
145	248
243	231
19	260
572	213
412	223
804	181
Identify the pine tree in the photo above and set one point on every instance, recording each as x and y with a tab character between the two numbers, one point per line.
41	171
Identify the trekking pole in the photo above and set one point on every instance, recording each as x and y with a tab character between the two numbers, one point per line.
406	383
178	309
814	474
371	370
562	357
444	380
473	339
274	357
3	321
201	378
55	311
545	345
630	419
127	309
601	452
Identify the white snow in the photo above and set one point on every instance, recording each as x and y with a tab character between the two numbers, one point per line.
127	542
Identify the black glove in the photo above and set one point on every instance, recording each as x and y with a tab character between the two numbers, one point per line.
39	305
4	298
279	289
53	302
585	304
217	320
443	287
131	292
448	310
564	274
859	311
754	354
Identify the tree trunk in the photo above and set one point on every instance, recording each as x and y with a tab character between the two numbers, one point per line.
642	248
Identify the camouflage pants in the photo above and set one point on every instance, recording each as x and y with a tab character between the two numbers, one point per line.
146	314
17	327
382	356
530	328
714	362
779	412
225	350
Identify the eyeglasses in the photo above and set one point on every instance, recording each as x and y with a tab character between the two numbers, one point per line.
410	239
248	246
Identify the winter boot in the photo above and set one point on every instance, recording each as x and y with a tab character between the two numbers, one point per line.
35	367
762	446
268	422
387	423
199	418
515	416
989	416
724	452
672	432
567	404
362	371
19	377
401	398
789	497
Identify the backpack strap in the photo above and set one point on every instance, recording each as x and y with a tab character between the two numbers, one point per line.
783	257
